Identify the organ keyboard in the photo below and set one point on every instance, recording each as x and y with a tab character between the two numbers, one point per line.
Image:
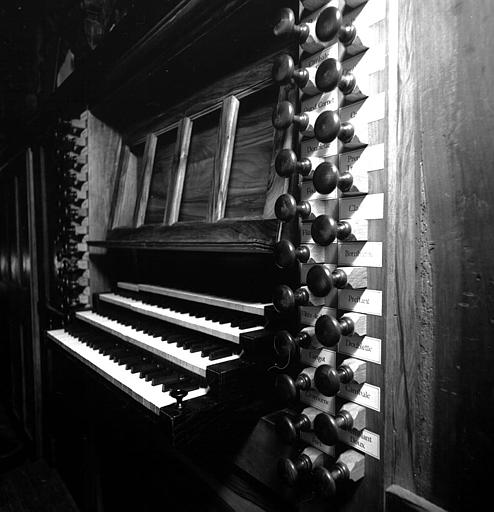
156	343
120	366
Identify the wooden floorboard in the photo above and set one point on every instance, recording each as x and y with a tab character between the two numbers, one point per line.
34	487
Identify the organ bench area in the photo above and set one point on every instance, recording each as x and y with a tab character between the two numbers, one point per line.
230	278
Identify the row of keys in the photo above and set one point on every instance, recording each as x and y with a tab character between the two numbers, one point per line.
183	348
147	380
227	325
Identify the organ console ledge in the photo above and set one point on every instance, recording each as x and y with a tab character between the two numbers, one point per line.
349	466
287	389
350	416
328	380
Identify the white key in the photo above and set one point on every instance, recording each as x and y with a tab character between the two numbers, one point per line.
144	392
192	361
223	331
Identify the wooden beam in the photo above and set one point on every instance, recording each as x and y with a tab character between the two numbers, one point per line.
177	173
401	500
118	186
223	159
145	173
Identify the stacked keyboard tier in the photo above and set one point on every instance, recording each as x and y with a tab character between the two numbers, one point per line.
329	367
71	248
162	329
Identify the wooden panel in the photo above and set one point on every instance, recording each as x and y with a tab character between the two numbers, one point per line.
159	186
251	155
103	158
223	159
177	172
124	209
226	235
200	165
145	173
457	185
118	185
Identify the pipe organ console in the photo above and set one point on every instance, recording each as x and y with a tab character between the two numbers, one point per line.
237	262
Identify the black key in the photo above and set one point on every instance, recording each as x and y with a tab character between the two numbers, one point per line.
212	348
164	378
218	354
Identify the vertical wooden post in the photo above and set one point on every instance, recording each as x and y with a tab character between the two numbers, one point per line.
145	174
177	172
118	186
223	159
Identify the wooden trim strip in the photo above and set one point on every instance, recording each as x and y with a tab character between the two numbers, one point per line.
223	158
118	185
177	173
145	174
399	499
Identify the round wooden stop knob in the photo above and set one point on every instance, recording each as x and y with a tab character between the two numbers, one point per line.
321	280
326	427
287	389
291	470
288	429
330	75
286	164
330	25
329	329
287	346
324	230
286	208
284	71
286	254
327	177
285	299
284	115
324	480
329	379
286	25
328	127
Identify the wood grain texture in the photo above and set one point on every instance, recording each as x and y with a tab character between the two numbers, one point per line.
159	186
118	184
226	235
401	345
401	500
456	130
251	155
104	145
223	158
145	174
177	171
124	209
34	289
199	171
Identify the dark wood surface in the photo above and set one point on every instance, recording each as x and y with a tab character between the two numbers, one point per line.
227	235
35	486
159	185
401	500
